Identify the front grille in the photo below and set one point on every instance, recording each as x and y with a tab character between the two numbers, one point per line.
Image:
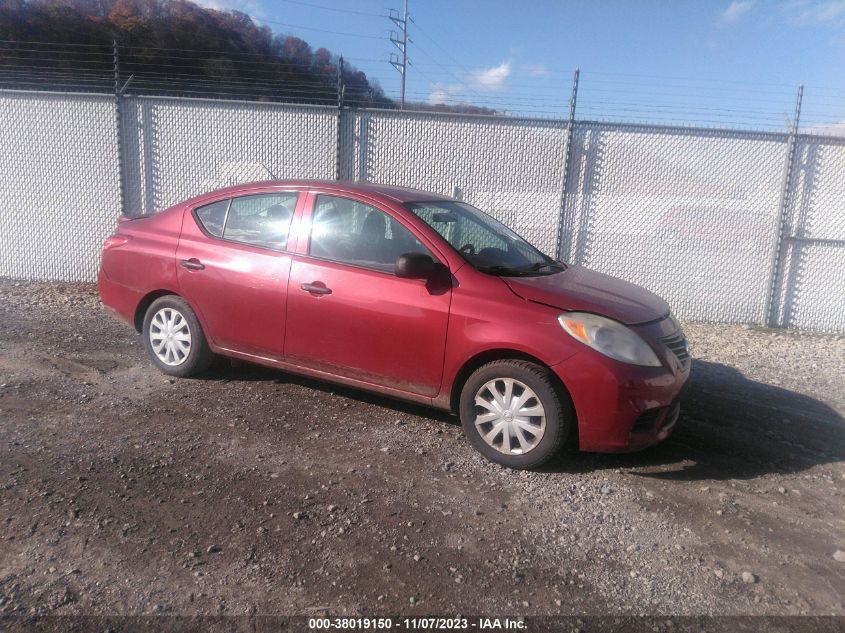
677	343
646	422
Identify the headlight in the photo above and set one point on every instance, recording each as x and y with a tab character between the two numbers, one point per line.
608	337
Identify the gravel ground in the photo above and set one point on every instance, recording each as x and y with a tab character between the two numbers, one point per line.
253	491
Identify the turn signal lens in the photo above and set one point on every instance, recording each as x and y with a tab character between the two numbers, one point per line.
115	240
575	329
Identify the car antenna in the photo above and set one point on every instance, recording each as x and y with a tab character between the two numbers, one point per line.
271	174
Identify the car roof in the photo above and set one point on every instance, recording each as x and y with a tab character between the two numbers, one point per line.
389	192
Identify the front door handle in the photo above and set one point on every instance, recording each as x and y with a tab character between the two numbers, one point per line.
192	264
316	290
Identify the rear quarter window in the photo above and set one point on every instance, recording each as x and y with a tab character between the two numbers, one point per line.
212	216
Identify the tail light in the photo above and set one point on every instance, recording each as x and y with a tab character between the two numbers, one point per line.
115	240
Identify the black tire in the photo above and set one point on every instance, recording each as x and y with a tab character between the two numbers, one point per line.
199	356
559	413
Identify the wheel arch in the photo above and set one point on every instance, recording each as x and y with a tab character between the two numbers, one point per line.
488	356
146	301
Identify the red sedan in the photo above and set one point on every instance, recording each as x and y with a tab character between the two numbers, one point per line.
410	294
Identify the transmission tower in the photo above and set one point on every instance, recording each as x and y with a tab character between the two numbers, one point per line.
400	41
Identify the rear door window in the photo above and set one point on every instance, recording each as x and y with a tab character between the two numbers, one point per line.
261	220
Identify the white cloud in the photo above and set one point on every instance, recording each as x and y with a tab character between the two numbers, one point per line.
486	79
437	96
817	12
538	70
491	78
736	10
444	93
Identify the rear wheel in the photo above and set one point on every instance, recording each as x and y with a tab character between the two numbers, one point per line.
514	413
174	339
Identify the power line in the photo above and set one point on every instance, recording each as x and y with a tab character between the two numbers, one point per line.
433	41
324	7
454	76
701	79
442	66
107	46
270	74
309	28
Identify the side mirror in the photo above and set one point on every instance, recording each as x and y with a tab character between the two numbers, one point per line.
414	266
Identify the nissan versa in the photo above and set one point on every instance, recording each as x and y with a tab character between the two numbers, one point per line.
410	294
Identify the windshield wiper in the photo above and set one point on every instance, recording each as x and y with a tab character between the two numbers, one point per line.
541	265
505	271
523	271
555	267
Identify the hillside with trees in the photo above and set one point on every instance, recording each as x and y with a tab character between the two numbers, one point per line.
168	46
173	47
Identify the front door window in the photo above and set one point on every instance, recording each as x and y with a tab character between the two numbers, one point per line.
351	232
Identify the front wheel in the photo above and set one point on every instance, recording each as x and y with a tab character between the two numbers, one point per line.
174	339
514	413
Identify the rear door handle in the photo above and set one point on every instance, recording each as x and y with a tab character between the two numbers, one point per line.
192	264
316	290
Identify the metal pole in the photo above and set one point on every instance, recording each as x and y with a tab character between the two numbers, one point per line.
118	108
340	84
772	306
404	57
570	128
116	63
340	93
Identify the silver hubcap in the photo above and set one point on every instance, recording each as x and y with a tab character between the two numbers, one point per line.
170	336
509	416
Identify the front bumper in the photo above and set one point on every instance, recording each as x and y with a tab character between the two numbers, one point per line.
619	407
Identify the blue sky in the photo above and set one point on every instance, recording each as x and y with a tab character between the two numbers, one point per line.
710	62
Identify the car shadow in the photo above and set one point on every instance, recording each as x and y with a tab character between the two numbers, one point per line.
731	427
242	371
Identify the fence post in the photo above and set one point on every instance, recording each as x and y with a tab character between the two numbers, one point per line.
118	109
773	297
570	128
362	148
340	90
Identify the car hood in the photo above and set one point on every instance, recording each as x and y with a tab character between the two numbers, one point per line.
581	289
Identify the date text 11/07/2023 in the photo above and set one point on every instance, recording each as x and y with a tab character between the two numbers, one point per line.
417	624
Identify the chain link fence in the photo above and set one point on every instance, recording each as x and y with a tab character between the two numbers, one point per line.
700	216
690	214
59	186
512	168
176	148
810	274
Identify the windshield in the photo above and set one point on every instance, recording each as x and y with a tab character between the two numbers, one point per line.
487	244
